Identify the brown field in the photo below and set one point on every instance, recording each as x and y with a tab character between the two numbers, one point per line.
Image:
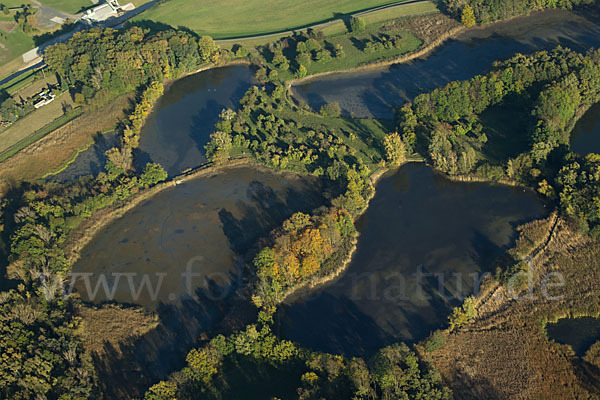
51	152
504	353
105	328
8	26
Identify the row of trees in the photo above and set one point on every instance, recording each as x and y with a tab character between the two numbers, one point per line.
131	132
395	372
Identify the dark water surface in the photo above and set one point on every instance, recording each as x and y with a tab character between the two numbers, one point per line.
579	333
419	222
585	137
204	224
374	93
175	133
90	161
208	224
179	126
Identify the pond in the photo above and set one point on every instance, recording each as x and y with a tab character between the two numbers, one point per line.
376	92
181	254
585	137
424	244
175	133
579	333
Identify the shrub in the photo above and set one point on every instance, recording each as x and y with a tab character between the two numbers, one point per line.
435	341
357	24
331	110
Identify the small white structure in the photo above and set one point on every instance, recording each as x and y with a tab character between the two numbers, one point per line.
104	11
45	98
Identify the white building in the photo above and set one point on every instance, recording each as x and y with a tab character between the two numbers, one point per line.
104	11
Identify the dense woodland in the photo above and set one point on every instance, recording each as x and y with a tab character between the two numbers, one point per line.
486	11
42	354
99	64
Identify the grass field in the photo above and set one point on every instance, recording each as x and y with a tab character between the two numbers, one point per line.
69	6
56	148
13	44
238	18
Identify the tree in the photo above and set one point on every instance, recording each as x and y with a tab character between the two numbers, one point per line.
463	314
395	150
165	390
153	174
203	364
302	71
467	16
119	161
218	148
331	110
206	48
357	24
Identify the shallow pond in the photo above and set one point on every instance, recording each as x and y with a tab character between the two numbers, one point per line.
424	243
585	137
89	161
188	244
579	333
375	93
204	225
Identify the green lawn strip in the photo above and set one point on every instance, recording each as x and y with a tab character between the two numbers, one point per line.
14	44
401	11
19	82
40	133
224	19
68	6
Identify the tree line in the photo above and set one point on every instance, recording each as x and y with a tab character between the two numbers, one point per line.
250	358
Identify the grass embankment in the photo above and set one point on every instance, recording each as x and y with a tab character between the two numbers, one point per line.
241	18
19	82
